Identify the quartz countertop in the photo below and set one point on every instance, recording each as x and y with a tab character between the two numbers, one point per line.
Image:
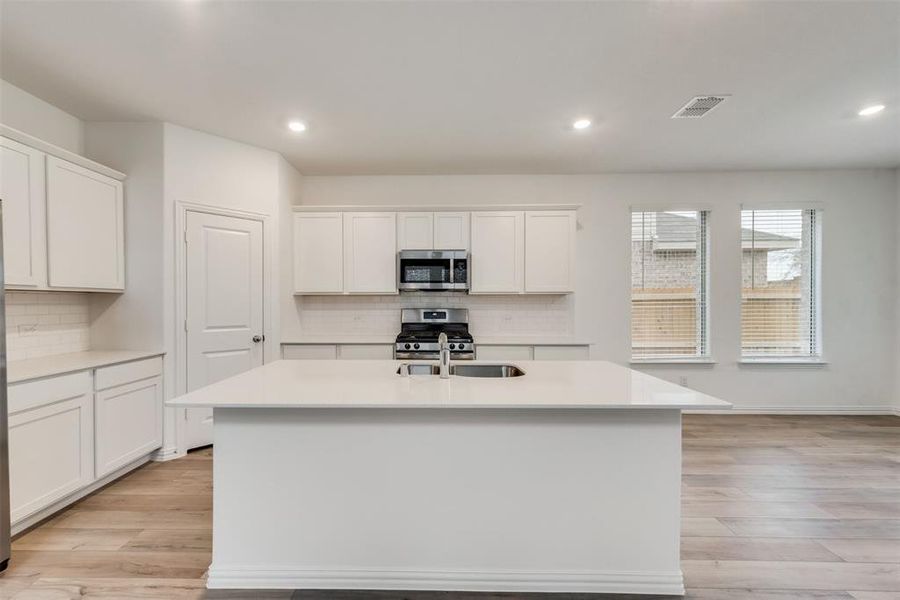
46	366
376	384
490	340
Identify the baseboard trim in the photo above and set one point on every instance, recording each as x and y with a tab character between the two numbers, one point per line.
252	577
164	454
41	515
801	410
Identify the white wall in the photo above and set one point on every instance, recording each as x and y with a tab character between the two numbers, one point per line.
290	189
859	267
30	114
897	296
134	319
203	169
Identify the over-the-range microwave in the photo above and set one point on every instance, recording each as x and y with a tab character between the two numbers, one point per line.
433	270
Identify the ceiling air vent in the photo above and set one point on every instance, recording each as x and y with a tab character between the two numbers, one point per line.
698	107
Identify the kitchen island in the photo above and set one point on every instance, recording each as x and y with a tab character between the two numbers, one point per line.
348	475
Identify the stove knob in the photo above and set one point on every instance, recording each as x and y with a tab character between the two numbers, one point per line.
406	346
416	346
453	346
461	346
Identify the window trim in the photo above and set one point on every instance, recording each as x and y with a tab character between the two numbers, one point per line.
817	357
704	250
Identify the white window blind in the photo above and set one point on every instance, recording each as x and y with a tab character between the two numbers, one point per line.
780	300
669	257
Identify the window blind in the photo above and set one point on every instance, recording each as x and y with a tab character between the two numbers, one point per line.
669	257
779	299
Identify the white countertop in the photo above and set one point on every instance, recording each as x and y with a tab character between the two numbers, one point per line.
511	340
46	366
375	384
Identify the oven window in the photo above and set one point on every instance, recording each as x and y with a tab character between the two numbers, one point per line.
425	271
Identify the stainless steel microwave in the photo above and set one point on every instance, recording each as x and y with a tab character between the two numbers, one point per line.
433	270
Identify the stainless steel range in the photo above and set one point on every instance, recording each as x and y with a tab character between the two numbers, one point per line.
420	328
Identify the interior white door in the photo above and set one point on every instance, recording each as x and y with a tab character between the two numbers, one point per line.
224	306
24	217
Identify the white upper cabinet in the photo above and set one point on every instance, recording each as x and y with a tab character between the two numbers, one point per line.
415	231
433	231
370	255
550	251
318	253
22	191
85	228
451	231
498	252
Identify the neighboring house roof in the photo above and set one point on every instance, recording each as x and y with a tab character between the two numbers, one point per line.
678	232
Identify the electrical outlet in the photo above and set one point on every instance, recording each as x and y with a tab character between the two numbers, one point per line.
682	381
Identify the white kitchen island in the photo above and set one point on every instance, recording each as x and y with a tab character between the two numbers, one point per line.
346	475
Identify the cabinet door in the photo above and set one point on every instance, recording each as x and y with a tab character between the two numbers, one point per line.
415	231
51	442
22	191
85	228
318	253
370	255
451	231
498	252
128	423
550	251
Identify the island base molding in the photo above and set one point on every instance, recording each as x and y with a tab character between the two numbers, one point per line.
670	583
521	500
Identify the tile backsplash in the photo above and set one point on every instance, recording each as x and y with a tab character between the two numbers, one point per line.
46	323
488	315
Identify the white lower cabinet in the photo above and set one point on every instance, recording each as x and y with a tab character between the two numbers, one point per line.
51	441
337	351
366	352
503	352
66	432
562	352
128	415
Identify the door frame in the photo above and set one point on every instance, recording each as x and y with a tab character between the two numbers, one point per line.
270	345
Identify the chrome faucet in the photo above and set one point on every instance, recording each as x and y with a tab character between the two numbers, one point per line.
445	355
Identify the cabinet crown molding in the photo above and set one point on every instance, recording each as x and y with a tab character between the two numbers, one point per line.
435	208
53	150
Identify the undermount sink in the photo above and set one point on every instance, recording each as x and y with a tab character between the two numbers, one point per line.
463	370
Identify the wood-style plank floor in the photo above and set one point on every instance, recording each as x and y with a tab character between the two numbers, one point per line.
775	508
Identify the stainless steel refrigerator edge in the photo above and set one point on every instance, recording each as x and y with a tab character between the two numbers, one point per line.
4	421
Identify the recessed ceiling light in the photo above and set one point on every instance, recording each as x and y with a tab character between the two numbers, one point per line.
871	110
581	124
297	126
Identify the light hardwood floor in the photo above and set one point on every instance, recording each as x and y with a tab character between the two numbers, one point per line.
775	508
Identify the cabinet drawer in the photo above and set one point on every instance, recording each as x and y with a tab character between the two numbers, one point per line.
107	377
33	394
309	351
367	351
562	352
502	352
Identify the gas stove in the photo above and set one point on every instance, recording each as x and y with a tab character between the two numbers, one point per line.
420	328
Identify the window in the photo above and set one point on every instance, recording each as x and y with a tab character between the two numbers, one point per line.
669	256
779	299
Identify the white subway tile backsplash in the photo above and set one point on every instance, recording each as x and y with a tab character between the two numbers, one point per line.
488	315
46	323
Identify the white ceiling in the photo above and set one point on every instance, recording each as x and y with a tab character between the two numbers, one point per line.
481	87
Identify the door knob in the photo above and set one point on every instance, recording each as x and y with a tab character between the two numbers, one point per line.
257	339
